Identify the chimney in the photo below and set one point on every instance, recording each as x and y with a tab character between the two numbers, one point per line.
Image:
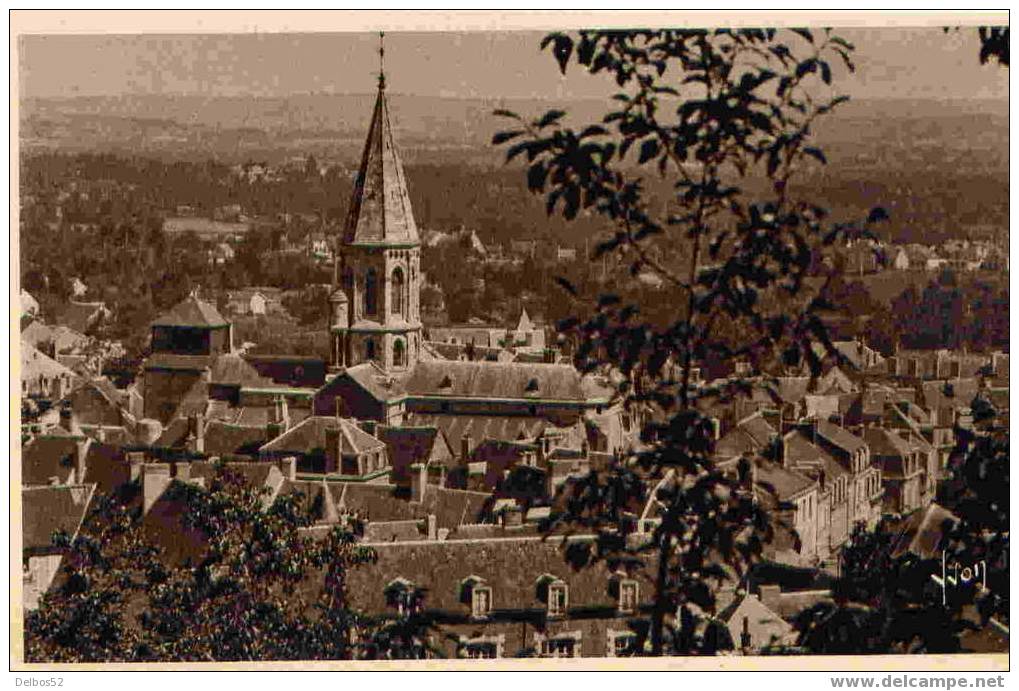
418	482
275	426
770	596
744	638
155	480
433	527
288	466
200	433
135	460
465	448
183	471
333	450
80	454
67	420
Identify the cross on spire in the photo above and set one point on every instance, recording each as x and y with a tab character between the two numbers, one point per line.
382	56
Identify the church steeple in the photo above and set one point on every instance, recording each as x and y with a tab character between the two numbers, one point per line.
376	311
380	211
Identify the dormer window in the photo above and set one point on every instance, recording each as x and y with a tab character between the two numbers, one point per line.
629	593
558	598
532	385
474	591
481	602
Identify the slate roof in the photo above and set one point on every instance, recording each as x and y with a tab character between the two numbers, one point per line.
222	438
781	482
47	456
192	312
508	380
951	393
376	381
311	434
380	211
45	510
408	445
62	336
839	437
883	442
35	363
230	368
511	567
800	450
481	427
378	502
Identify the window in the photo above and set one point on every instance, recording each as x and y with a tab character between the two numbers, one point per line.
628	596
371	292
399	354
557	599
621	643
481	648
369	349
398	288
481	601
560	645
481	651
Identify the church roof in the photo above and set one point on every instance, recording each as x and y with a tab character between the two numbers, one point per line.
504	380
192	312
380	211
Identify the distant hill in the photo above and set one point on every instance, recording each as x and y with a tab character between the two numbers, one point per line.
940	167
334	124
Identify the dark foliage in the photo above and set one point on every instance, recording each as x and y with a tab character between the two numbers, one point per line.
259	589
706	111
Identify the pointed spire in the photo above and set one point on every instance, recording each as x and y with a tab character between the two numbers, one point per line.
380	211
382	61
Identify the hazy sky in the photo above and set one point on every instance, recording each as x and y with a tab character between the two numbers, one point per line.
891	63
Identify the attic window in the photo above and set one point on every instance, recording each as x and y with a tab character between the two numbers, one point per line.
558	599
481	601
629	592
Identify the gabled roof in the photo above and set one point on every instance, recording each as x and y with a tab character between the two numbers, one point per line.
408	445
192	312
311	435
764	626
46	510
380	211
35	363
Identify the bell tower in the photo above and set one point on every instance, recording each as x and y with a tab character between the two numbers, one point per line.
375	306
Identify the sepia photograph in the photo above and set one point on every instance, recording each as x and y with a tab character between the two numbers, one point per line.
511	341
